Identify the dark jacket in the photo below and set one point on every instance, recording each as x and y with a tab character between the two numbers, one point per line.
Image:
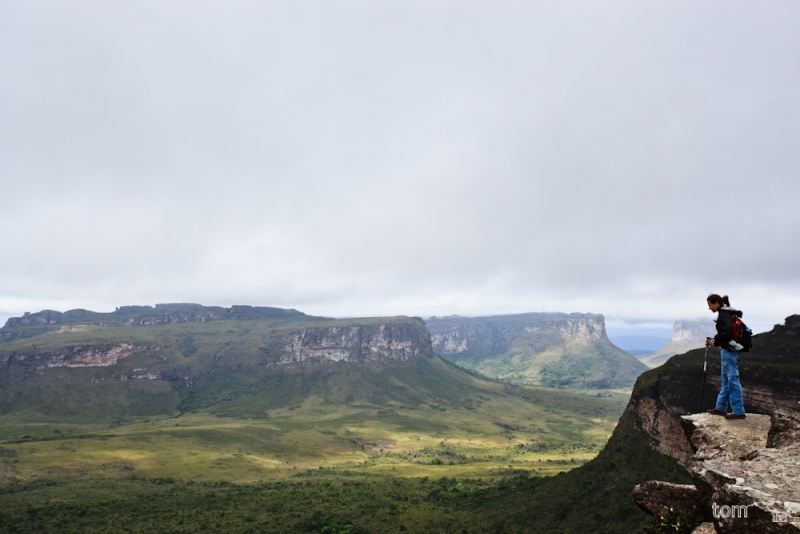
725	326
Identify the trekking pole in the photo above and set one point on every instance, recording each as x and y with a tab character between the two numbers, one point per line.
703	389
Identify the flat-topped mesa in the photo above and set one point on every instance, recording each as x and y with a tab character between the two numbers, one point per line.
456	334
686	335
293	339
355	343
746	474
562	350
33	324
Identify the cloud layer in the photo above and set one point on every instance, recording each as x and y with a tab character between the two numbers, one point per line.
364	158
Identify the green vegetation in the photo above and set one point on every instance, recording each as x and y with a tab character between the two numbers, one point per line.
512	500
199	424
390	446
556	350
672	522
473	427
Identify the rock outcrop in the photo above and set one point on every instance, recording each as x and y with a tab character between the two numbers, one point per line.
686	335
741	483
770	375
351	344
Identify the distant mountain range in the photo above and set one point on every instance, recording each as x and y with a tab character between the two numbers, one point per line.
551	349
687	335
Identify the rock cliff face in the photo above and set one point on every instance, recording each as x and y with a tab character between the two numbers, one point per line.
52	362
731	462
86	357
743	481
551	349
351	344
770	376
686	335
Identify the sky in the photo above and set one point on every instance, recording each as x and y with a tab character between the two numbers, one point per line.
360	158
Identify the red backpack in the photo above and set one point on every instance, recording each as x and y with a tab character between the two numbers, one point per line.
742	334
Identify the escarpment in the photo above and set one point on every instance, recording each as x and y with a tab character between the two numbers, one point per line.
551	349
750	466
189	356
33	324
770	375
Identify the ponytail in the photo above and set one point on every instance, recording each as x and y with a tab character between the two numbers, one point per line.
713	298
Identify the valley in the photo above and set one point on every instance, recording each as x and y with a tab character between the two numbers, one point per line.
333	422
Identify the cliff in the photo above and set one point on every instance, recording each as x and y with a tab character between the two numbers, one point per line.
770	378
686	335
180	357
650	444
551	349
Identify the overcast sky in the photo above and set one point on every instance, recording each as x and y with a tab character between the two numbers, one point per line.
401	157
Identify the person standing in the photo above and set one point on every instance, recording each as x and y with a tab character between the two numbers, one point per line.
731	392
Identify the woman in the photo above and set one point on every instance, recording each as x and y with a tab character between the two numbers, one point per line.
731	387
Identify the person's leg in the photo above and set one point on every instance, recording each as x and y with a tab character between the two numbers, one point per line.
731	369
724	393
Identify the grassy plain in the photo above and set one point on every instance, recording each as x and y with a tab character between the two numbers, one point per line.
499	436
309	467
224	441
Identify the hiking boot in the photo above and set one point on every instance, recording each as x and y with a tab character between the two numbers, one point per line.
714	411
733	416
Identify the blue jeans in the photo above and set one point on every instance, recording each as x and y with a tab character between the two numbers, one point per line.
731	387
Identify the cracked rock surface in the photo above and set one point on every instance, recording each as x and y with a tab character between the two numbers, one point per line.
746	474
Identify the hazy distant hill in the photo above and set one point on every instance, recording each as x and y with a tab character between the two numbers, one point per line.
552	349
687	335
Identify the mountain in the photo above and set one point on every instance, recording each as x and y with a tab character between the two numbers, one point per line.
87	368
551	349
179	357
649	442
687	335
107	421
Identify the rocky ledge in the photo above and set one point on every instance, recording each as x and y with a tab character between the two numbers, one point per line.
746	475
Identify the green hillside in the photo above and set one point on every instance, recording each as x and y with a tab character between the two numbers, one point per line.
551	349
248	398
230	365
247	425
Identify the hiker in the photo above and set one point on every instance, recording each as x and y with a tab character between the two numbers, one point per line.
731	391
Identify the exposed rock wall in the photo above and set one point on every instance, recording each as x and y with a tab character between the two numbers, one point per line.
661	422
770	376
686	335
740	484
454	335
552	349
352	344
81	356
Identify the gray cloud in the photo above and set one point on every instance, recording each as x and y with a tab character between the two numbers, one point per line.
351	158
